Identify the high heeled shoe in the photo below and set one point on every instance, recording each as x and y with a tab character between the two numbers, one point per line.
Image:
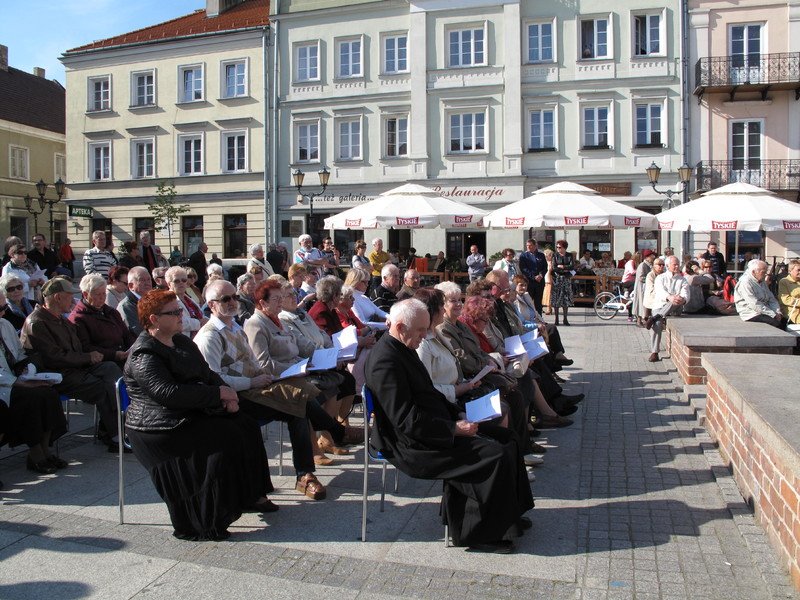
42	467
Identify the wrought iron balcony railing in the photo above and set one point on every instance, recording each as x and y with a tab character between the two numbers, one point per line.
754	72
773	174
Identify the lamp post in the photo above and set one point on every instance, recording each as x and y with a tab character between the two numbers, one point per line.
41	189
298	176
684	176
31	208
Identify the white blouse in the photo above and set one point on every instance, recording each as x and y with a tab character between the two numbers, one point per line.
441	365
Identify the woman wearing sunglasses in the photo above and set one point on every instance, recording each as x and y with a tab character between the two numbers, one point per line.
19	307
27	271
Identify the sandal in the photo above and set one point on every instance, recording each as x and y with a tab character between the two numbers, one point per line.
328	447
310	486
323	460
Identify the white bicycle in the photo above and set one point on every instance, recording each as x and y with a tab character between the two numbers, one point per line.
608	304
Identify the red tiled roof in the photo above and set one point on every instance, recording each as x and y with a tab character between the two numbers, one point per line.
250	13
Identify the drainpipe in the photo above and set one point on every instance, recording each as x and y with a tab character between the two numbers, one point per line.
275	100
268	222
688	236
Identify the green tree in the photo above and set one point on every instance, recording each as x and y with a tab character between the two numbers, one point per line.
164	210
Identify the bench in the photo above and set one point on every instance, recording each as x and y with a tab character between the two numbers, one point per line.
752	412
690	336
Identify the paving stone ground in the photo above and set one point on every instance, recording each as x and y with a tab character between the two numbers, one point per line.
633	501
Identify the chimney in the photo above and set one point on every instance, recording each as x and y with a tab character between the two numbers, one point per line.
39	72
212	8
3	58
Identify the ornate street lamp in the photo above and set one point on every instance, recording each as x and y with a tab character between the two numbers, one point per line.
298	176
31	208
41	189
684	176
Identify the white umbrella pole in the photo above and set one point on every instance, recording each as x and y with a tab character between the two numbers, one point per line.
736	251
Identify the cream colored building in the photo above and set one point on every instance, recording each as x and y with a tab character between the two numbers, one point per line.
484	100
181	102
32	148
746	113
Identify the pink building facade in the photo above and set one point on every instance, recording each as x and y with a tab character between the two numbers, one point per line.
744	62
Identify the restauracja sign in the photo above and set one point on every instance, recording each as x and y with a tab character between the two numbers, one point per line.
485	194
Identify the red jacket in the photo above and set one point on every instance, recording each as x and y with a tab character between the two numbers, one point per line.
101	330
325	318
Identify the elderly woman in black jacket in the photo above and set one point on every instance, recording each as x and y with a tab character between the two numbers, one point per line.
205	458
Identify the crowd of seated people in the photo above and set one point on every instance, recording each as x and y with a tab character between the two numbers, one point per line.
199	386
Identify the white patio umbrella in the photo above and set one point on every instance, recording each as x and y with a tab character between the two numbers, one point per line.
568	205
410	206
733	207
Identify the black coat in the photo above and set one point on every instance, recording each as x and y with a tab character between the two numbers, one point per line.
198	262
168	385
486	487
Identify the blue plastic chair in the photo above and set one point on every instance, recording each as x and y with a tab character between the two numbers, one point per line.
123	401
370	454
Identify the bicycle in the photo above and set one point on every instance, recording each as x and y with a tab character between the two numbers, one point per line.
608	304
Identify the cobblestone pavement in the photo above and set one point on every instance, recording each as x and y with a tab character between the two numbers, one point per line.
633	502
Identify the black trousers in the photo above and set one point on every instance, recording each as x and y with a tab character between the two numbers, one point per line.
770	321
95	385
537	292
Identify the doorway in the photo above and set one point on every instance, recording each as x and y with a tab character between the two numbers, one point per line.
459	243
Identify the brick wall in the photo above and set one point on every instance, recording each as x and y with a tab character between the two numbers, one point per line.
687	359
763	474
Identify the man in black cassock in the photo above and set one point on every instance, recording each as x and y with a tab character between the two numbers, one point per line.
486	489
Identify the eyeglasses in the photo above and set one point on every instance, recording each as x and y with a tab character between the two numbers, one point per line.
455	300
20	252
225	298
256	270
172	313
14	288
181	280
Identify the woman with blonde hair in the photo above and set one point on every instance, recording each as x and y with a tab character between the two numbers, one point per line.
548	282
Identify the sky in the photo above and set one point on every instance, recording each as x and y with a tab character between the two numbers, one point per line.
37	32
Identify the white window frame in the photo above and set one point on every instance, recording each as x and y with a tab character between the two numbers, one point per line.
353	122
180	159
553	41
91	148
662	33
462	112
649	102
762	138
19	162
182	70
104	104
298	128
610	115
223	76
59	171
461	29
385	135
135	88
339	44
137	143
530	111
227	134
394	69
310	76
609	19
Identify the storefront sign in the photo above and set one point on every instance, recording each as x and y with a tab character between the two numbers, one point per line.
486	194
665	224
511	222
81	211
793	225
611	189
633	221
408	221
576	220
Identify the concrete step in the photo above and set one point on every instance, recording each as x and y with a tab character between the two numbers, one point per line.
695	395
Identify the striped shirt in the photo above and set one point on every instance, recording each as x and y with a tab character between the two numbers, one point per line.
98	261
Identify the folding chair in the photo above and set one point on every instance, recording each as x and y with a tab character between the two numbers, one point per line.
373	455
370	454
123	401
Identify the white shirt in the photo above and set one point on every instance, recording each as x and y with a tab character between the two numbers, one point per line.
666	285
367	312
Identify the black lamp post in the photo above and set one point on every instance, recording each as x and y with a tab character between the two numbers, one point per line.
41	189
684	175
298	176
31	208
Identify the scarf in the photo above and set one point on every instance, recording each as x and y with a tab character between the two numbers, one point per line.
482	339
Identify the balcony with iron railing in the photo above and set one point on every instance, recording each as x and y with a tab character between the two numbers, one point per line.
752	72
772	174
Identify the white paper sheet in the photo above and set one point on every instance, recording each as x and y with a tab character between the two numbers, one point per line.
536	348
514	346
323	359
484	408
346	343
482	373
296	370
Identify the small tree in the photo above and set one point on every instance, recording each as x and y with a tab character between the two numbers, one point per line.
164	210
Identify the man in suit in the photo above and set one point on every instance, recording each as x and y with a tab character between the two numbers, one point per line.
486	488
199	263
533	265
150	253
139	283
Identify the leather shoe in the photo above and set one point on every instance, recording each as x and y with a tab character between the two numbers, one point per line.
42	467
564	361
499	547
653	357
310	486
648	324
566	410
557	421
573	398
524	523
537	449
57	462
